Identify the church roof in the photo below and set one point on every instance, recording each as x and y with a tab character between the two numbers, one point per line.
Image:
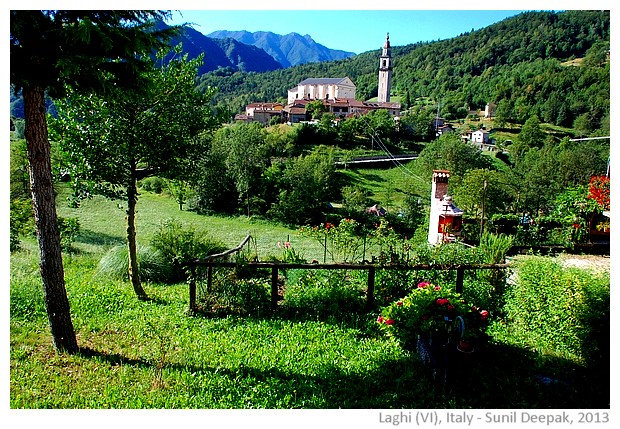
323	81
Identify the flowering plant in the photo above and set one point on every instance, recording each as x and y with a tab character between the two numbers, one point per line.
289	254
343	242
432	312
599	191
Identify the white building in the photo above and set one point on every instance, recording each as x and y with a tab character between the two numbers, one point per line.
322	89
480	136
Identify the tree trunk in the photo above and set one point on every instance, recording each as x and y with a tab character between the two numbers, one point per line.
132	199
48	235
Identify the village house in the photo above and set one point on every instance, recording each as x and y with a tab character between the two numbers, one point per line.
295	112
261	112
480	139
444	129
480	136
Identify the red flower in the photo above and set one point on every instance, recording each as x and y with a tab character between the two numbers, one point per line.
437	287
399	303
484	314
380	319
450	307
600	191
441	301
328	225
423	285
389	322
576	226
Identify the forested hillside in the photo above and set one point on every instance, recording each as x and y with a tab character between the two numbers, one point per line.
549	64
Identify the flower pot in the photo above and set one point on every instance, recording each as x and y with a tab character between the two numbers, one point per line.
465	347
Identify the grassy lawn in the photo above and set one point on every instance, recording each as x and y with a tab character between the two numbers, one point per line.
389	187
102	225
155	355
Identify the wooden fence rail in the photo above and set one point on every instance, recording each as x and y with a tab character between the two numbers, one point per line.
275	266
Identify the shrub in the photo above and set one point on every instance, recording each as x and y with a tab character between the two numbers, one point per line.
152	265
506	223
21	220
69	229
178	244
323	294
307	188
153	184
556	310
240	296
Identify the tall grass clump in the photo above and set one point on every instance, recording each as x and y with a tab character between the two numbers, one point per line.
558	311
487	287
152	265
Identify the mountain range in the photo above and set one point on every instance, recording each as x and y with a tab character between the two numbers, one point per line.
289	50
226	53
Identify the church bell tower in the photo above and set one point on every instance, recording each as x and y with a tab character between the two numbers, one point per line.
385	71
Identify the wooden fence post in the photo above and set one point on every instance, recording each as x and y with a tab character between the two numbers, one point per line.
192	289
209	278
370	292
460	273
274	288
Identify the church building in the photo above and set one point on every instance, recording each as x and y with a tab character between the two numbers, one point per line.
322	89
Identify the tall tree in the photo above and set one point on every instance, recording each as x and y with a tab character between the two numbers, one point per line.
242	146
114	141
50	50
449	152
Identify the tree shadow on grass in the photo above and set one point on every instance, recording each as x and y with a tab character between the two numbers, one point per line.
496	376
86	236
504	376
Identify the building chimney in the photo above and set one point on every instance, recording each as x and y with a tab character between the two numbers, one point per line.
445	218
440	184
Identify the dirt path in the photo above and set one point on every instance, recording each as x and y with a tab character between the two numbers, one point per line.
593	262
590	262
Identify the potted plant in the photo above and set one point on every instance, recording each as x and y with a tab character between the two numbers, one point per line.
435	315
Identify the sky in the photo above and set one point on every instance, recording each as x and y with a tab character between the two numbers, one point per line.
348	30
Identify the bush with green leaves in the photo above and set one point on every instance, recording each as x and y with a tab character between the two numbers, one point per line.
558	311
242	296
307	187
21	220
69	229
323	294
178	244
153	184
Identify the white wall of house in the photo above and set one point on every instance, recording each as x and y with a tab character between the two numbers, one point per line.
480	136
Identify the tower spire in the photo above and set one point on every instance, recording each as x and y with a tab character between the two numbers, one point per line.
385	71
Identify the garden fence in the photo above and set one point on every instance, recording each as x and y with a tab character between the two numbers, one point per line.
219	261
